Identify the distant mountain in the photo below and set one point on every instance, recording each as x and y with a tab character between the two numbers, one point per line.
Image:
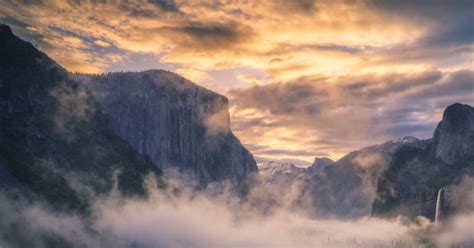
283	182
399	177
319	165
282	176
54	142
177	123
411	184
345	188
280	173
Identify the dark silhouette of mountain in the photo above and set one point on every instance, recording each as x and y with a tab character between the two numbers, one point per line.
54	141
416	174
177	123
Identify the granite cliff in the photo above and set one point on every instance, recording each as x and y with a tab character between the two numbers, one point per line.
177	123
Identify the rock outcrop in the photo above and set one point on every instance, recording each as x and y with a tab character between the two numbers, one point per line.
53	140
177	123
411	184
453	139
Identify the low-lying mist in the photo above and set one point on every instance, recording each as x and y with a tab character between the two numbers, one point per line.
168	218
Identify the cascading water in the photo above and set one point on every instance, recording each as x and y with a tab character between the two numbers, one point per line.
440	205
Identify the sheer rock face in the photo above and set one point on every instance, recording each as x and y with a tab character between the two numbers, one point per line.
178	124
410	185
454	136
51	132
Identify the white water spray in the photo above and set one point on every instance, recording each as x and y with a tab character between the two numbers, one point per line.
440	205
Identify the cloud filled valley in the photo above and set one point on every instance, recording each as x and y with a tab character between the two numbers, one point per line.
195	219
212	123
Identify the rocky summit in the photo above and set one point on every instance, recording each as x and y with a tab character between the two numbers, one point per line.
175	122
453	139
319	164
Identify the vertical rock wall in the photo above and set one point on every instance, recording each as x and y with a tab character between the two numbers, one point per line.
177	123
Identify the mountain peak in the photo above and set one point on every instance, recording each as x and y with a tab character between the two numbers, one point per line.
322	162
5	30
319	164
454	136
409	139
274	164
458	105
458	117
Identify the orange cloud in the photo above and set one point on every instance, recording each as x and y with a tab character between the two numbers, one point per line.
318	47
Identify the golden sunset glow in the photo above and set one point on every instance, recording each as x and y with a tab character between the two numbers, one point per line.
304	78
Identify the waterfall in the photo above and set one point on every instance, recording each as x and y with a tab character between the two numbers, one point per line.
440	206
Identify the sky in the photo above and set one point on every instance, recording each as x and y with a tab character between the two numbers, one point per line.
304	78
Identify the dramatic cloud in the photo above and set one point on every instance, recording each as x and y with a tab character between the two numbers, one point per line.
319	116
289	38
349	53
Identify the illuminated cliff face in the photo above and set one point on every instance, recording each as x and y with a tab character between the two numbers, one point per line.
177	123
